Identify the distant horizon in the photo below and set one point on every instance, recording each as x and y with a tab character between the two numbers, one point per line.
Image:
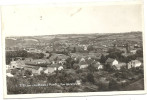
73	34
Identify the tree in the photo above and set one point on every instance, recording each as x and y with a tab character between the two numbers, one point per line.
91	68
139	53
90	77
28	72
113	85
75	66
90	48
102	59
74	50
14	71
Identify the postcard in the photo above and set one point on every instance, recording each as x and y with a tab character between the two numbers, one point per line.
73	49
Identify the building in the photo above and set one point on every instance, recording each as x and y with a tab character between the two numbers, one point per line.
78	82
17	64
134	63
59	68
36	70
133	51
119	66
9	75
98	65
49	70
111	61
83	64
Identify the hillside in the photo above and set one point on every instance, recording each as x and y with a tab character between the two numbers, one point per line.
85	38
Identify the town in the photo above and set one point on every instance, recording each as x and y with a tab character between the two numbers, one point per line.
89	62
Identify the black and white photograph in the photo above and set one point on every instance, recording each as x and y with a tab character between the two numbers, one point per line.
73	48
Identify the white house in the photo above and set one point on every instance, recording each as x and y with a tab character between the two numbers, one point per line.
78	82
85	47
133	51
134	63
89	58
49	70
9	75
82	59
59	68
100	67
36	70
40	69
111	61
13	64
83	66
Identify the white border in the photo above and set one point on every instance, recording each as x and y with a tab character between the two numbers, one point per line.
71	94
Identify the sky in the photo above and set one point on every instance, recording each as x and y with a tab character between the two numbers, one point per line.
29	20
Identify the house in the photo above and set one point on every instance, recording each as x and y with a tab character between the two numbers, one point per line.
62	62
49	70
134	63
9	75
85	47
83	64
13	64
111	61
60	67
37	70
90	60
82	59
98	65
40	61
17	64
133	51
119	66
78	82
28	59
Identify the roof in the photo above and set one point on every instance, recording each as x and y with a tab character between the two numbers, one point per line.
110	60
53	65
82	63
136	61
89	61
68	71
118	66
36	67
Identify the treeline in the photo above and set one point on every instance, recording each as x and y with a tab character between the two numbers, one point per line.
23	54
117	54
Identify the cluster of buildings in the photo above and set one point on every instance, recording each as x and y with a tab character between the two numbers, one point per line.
49	66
